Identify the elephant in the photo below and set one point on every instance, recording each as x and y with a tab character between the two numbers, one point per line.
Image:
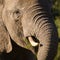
32	19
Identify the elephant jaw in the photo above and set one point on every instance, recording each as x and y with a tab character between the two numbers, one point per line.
33	43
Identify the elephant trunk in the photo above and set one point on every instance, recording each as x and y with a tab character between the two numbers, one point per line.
40	24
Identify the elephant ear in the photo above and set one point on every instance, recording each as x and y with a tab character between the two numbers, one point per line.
5	42
1	1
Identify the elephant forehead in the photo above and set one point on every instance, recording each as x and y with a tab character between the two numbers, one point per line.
11	4
10	1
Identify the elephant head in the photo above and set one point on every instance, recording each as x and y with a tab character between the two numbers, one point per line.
32	19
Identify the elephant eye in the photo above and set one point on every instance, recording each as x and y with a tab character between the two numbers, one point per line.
17	12
17	15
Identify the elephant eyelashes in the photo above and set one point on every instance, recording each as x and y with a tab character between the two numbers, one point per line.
16	15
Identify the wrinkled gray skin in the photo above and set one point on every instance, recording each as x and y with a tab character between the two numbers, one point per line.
25	18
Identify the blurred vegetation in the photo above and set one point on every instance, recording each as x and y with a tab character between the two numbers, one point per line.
56	8
56	14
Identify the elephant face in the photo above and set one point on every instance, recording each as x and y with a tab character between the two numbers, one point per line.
14	14
32	19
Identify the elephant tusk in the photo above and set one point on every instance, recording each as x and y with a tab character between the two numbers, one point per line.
33	43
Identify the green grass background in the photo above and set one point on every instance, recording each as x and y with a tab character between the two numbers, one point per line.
56	14
57	22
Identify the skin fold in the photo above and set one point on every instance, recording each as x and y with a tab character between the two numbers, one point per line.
32	19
